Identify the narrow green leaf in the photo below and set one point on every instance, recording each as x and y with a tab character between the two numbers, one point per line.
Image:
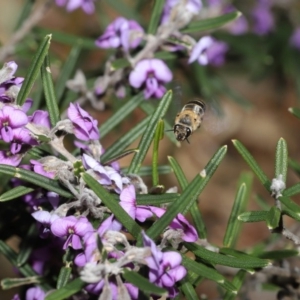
273	218
126	140
159	134
148	199
252	164
253	216
244	262
15	193
120	115
237	281
262	203
24	13
50	97
25	270
195	211
290	204
142	283
291	214
119	156
295	111
63	277
68	290
34	70
189	195
295	166
148	135
147	170
112	205
188	290
233	225
202	270
212	23
68	39
39	180
278	254
292	191
9	283
26	246
66	71
155	16
281	159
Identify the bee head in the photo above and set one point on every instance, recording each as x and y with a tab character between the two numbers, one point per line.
182	132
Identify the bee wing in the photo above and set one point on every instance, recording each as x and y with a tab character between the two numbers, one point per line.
215	120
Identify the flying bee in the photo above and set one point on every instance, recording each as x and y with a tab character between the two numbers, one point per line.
189	119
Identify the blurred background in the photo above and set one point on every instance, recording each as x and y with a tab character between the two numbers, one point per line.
249	96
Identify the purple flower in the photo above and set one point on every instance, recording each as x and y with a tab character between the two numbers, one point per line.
11	118
121	33
151	74
295	38
72	228
209	51
263	19
179	223
7	158
39	169
128	202
85	127
87	6
21	141
238	26
164	267
191	7
9	85
105	175
45	220
35	293
41	118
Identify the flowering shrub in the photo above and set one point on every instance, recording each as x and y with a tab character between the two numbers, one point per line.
92	230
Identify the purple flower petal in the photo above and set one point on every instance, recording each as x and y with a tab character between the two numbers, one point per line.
139	73
161	70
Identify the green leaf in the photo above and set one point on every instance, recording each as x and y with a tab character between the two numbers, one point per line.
291	214
148	199
25	270
195	211
237	281
66	71
119	156
295	111
159	134
126	140
188	290
253	216
281	159
9	283
15	193
295	166
24	13
290	204
68	290
26	246
34	70
50	97
184	202
155	16
252	164
274	217
63	277
147	170
212	23
120	115
142	283
39	180
148	135
68	39
112	205
292	191
244	261
278	254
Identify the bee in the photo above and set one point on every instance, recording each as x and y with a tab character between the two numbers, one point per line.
189	119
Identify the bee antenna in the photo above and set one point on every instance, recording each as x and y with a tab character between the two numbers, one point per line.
187	140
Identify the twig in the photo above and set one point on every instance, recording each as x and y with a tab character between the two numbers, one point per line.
35	16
